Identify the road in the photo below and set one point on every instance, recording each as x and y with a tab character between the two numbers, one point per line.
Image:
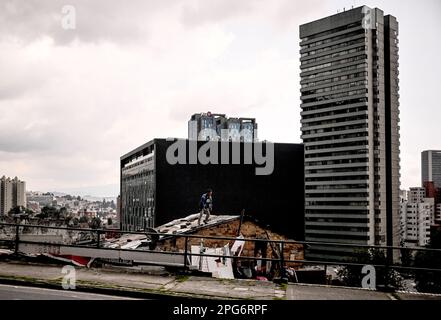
317	292
10	292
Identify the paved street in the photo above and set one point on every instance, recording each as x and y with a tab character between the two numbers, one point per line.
156	284
316	292
8	292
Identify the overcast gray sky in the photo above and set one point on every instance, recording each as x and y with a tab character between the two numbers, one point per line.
73	101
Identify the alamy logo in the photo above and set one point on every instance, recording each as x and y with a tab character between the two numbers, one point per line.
69	280
259	153
369	280
208	153
368	21
69	19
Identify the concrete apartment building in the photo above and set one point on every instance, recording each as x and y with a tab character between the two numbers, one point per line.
416	216
18	193
216	126
349	124
5	195
12	194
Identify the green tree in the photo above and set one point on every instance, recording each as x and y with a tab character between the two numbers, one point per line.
63	212
41	215
67	220
95	223
429	281
50	212
84	219
406	255
20	210
16	210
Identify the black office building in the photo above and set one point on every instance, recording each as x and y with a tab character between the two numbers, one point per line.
154	191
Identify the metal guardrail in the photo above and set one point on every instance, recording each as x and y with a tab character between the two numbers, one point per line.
281	261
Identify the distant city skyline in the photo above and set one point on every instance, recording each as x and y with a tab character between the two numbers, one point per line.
106	191
72	101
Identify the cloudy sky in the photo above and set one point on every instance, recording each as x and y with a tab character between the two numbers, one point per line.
73	101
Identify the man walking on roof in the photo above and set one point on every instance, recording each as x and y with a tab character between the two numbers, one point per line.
206	206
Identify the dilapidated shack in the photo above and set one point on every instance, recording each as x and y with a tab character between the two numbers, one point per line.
236	227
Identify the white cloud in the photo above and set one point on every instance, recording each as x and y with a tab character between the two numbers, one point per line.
72	102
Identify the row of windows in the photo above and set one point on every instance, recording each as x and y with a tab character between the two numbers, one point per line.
337	178
335	63
360	238
337	170
343	220
336	54
337	228
336	79
338	120
337	145
338	161
336	103
138	164
337	153
137	195
136	222
349	117
141	175
338	186
332	31
323	211
337	203
336	129
336	95
333	47
332	39
337	87
335	71
330	139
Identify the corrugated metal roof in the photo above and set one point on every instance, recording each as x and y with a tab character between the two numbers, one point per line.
126	241
190	223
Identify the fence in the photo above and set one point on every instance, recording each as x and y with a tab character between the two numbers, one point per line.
15	237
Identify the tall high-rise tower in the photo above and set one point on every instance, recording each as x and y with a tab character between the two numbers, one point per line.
349	117
12	194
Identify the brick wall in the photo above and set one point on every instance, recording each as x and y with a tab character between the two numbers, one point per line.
249	229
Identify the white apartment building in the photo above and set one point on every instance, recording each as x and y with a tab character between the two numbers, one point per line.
416	215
